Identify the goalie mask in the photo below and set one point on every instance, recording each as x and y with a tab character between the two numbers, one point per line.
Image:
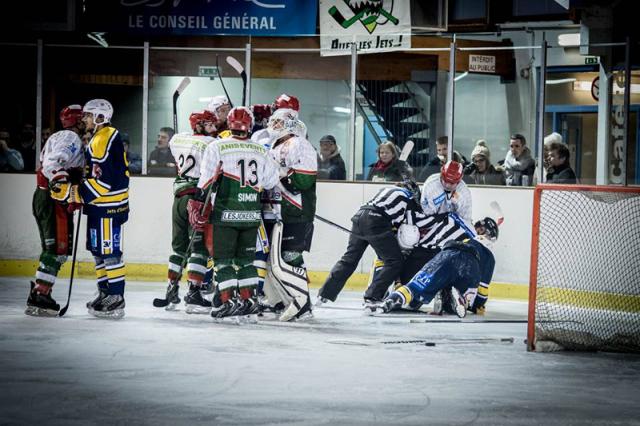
487	227
99	107
283	122
71	116
287	102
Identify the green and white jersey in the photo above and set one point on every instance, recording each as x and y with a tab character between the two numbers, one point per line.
299	162
242	169
188	151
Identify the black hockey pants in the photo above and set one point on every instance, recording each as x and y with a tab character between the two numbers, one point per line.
370	227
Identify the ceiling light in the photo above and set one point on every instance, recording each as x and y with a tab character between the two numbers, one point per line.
561	81
342	110
569	40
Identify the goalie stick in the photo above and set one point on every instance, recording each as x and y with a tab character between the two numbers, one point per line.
73	264
183	85
162	303
233	62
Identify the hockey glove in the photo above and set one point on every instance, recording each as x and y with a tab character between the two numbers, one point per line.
197	218
60	186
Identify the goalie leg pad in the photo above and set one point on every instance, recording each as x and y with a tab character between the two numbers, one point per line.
291	281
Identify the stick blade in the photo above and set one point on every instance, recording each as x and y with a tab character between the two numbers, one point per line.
63	311
406	150
233	62
183	85
495	206
160	303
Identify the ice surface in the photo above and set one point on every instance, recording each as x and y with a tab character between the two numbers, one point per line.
159	367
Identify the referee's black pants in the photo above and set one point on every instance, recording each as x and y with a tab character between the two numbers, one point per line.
373	228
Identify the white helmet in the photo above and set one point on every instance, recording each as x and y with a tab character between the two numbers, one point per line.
283	122
216	102
99	107
408	236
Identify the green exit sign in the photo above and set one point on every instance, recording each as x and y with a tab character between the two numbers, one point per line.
211	72
591	60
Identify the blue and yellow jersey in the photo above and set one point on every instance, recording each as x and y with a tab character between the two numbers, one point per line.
105	192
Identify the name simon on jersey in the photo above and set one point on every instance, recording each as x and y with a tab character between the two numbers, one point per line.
242	197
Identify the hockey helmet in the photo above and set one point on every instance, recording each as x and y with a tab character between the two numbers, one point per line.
283	122
451	175
70	116
199	117
240	119
286	101
216	103
487	227
99	107
408	184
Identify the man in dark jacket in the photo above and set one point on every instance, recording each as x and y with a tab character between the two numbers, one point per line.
330	163
559	169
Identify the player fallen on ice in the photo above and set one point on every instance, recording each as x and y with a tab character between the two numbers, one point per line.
240	169
461	266
188	151
62	163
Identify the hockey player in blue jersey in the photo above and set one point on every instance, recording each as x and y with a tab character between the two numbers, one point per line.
461	265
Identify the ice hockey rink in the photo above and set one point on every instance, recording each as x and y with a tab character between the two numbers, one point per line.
158	367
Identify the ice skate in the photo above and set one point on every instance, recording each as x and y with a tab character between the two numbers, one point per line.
248	310
225	311
41	304
390	304
196	304
99	295
207	288
292	313
173	297
457	303
437	304
320	301
111	306
370	306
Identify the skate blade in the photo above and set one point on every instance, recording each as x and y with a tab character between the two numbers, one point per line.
461	311
172	307
249	319
227	320
35	311
197	309
116	314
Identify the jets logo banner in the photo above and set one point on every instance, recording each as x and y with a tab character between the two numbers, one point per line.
372	25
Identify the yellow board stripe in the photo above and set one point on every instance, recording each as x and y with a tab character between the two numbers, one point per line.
158	272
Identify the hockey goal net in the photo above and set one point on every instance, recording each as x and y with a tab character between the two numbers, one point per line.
584	289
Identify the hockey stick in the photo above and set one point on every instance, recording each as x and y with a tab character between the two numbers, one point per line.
423	342
470	321
159	302
183	85
73	264
222	83
495	206
243	74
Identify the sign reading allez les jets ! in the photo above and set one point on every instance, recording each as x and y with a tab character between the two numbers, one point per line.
372	25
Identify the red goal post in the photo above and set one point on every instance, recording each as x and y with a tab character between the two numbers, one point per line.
584	281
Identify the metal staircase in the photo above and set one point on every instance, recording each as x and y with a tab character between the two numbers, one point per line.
396	109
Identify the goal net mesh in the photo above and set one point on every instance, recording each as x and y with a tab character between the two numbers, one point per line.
587	293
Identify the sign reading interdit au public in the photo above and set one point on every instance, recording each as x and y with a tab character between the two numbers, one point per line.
372	25
203	17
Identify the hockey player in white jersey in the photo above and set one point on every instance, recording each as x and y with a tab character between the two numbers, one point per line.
240	169
220	107
446	192
296	193
188	151
62	163
263	112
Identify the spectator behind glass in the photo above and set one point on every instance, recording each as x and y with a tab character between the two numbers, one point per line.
46	132
436	163
161	161
481	171
135	161
559	170
330	163
27	147
10	159
388	168
518	164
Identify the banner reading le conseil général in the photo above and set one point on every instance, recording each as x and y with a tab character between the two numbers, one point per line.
202	17
373	25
